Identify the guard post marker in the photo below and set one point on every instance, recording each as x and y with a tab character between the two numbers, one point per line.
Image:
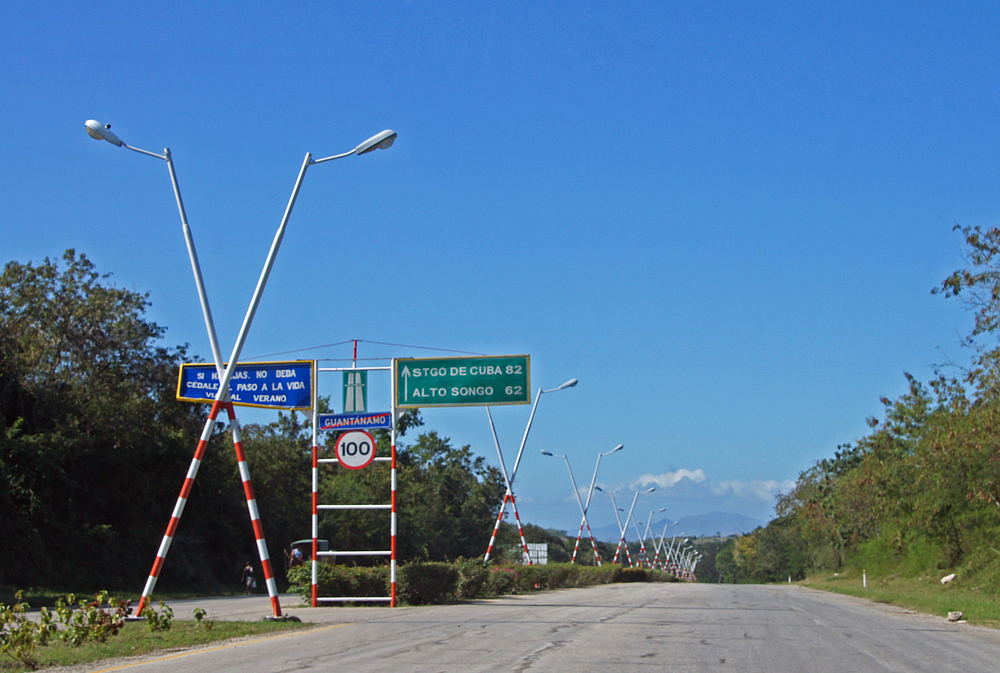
175	517
258	528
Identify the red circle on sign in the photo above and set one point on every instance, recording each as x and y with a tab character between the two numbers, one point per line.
356	449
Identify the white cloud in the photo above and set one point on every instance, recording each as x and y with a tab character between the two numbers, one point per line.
765	490
668	479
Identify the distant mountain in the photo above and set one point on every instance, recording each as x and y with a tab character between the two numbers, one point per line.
701	525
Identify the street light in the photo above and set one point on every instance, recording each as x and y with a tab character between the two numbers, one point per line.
509	480
583	510
659	545
671	555
222	399
643	555
586	508
621	529
624	528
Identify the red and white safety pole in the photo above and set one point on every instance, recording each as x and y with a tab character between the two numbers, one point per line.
586	507
315	501
175	517
394	510
509	495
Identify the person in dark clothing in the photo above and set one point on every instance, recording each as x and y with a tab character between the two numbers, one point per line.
248	580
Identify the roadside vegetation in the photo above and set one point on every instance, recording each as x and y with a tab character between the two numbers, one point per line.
924	593
428	582
98	628
916	499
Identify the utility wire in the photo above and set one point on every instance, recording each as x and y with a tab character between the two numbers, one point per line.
362	341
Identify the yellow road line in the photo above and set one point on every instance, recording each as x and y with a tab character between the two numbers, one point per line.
216	649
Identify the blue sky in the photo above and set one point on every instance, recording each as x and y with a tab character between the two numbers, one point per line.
723	218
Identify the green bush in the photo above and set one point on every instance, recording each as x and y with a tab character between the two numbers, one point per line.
501	581
339	580
423	583
19	635
633	575
159	621
426	583
90	620
473	577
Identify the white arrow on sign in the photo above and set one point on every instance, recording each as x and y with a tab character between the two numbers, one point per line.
406	383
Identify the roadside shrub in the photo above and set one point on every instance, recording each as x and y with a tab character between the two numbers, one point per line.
338	580
423	583
531	578
19	635
501	581
426	583
199	615
90	620
633	575
473	576
159	621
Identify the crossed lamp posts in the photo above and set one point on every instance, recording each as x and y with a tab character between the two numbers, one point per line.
225	371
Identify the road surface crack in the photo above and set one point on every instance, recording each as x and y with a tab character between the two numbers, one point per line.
531	659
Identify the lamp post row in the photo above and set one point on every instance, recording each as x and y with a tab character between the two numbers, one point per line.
225	371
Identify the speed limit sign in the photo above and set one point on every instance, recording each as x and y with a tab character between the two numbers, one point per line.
356	449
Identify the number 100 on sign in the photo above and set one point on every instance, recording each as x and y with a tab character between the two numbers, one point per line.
355	449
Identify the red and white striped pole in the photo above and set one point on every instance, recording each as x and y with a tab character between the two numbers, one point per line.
315	502
496	526
392	471
258	528
576	545
392	558
175	517
586	507
593	544
520	530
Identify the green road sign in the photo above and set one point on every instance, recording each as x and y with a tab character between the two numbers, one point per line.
462	382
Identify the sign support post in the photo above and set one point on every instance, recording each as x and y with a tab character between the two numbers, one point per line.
353	423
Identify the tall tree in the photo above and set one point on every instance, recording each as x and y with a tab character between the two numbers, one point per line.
88	424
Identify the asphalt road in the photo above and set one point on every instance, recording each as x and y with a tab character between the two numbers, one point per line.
625	627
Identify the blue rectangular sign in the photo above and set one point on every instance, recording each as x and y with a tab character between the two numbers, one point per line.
338	422
269	385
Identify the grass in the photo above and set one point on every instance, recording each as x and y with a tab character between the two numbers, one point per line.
136	639
38	597
923	593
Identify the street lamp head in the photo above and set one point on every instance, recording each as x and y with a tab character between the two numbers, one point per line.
547	453
617	448
97	131
598	488
381	141
649	490
568	384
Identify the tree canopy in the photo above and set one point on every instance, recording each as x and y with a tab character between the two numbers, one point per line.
922	490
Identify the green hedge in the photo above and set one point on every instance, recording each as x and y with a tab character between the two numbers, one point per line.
426	583
338	580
